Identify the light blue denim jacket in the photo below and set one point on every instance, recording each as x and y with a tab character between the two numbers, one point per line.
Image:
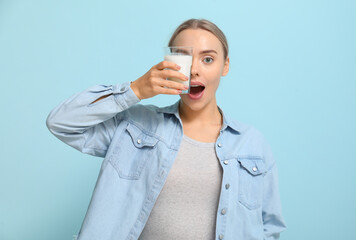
139	144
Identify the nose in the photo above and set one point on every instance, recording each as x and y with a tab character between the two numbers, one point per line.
194	69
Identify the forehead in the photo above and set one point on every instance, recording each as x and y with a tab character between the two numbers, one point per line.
199	39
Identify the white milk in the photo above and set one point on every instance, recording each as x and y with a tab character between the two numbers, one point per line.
185	62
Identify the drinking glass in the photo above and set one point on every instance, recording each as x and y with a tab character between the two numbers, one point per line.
183	57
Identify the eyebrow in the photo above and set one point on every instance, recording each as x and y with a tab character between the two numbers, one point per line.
208	51
201	52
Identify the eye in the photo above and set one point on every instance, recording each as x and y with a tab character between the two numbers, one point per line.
208	60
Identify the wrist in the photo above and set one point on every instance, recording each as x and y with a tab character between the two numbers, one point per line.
135	89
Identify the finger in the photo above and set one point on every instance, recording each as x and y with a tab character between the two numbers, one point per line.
172	84
166	64
169	91
173	74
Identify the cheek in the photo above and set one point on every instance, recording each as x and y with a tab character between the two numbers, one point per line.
212	75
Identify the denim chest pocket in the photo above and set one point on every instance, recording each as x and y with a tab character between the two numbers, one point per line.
251	172
134	149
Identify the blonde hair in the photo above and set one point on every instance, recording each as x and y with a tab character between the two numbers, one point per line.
205	25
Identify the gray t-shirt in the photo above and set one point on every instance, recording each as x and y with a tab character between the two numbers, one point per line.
187	206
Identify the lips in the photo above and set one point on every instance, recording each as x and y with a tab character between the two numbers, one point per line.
196	90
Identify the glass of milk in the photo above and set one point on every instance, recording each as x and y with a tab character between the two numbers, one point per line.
183	57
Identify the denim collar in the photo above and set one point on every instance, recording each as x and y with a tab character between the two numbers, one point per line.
227	122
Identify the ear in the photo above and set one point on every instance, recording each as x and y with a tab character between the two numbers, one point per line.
226	67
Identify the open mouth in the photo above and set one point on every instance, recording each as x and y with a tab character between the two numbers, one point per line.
196	89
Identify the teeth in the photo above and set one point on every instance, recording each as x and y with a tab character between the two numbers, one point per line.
195	85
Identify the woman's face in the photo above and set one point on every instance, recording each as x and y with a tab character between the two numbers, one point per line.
207	67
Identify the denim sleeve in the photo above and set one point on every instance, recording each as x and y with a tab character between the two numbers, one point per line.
89	127
273	221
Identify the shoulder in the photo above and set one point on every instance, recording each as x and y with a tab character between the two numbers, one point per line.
141	113
150	110
147	117
245	130
143	109
251	133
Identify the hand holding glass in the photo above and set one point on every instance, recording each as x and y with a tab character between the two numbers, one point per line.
181	56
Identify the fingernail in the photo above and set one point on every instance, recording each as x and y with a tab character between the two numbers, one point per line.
179	91
186	87
186	77
178	66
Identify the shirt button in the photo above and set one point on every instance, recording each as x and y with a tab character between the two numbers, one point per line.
221	236
139	141
219	145
226	162
122	89
254	169
223	211
227	186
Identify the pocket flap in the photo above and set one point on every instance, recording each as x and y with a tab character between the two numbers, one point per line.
254	165
139	138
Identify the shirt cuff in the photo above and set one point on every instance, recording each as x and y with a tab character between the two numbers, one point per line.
124	94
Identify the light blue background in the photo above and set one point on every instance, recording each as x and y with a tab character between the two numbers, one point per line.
292	76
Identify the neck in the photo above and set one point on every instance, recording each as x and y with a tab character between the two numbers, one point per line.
209	115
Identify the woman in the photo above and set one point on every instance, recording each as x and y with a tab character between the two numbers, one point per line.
184	171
